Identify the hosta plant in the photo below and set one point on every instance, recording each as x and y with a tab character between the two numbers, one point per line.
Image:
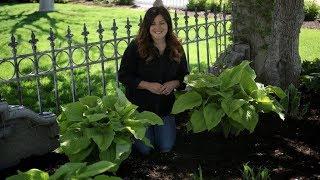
229	102
70	171
95	129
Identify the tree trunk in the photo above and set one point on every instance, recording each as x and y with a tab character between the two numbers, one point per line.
46	5
271	28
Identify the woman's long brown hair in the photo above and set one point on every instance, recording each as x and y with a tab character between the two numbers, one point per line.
144	40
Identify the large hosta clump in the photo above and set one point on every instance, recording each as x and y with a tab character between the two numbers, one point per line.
94	129
229	102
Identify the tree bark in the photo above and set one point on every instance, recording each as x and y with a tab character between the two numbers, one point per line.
271	28
46	5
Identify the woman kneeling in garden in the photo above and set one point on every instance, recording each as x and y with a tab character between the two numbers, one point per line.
153	65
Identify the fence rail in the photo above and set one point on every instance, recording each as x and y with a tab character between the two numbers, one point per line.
34	86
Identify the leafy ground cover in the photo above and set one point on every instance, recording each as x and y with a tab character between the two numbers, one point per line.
288	149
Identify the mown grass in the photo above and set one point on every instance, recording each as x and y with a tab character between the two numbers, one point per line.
21	19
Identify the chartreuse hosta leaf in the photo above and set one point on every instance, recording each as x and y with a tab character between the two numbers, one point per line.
231	101
187	101
32	174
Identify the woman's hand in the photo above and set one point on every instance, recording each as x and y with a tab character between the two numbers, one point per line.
169	86
153	87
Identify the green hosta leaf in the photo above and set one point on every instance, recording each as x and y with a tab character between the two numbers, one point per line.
128	111
237	115
67	169
260	95
232	76
123	146
103	136
104	177
147	142
251	118
32	174
186	101
230	105
109	154
236	125
202	80
149	117
138	131
226	93
277	90
80	156
122	101
74	111
71	145
212	115
247	79
197	121
96	168
90	101
96	117
109	101
212	91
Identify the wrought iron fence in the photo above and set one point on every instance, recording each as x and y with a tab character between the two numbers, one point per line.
64	81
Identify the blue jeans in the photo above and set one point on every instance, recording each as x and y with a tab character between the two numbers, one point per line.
161	137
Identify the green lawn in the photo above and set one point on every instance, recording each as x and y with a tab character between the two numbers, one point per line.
21	19
309	44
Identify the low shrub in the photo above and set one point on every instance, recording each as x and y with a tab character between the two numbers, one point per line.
124	2
199	5
94	129
292	103
70	171
229	102
311	10
310	76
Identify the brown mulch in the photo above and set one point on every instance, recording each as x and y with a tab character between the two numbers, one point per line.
289	149
311	24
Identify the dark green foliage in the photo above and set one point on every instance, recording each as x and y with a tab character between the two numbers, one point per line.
212	5
199	5
311	10
292	103
249	173
124	2
311	76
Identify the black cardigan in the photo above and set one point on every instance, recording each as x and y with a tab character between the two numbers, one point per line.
134	69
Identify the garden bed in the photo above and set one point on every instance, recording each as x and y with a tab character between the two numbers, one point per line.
287	148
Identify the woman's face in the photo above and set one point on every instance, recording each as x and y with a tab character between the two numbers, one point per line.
158	28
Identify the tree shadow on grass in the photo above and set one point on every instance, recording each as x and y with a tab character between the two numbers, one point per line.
30	19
